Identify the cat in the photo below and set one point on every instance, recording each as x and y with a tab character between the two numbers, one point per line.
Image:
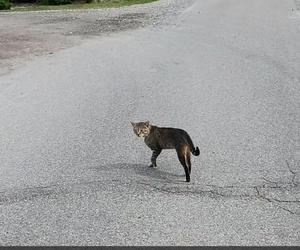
158	138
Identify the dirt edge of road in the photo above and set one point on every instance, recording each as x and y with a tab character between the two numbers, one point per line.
26	35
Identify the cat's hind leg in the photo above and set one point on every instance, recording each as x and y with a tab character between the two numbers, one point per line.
188	160
181	156
155	154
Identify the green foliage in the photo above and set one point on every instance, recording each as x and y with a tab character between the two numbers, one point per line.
4	4
74	4
54	2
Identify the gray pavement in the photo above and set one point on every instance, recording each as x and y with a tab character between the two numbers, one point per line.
73	173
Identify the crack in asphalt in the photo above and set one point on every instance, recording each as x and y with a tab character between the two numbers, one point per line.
209	190
210	193
228	191
293	173
55	191
272	201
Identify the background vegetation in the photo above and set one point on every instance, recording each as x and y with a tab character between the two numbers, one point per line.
29	5
4	4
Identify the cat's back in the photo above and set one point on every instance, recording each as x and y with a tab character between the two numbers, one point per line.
170	137
171	131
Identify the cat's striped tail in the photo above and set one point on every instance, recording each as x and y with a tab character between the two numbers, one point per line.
194	150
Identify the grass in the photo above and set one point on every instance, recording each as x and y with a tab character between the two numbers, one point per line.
75	6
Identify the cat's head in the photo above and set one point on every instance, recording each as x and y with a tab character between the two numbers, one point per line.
141	129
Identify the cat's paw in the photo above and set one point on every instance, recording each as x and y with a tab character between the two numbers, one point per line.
152	166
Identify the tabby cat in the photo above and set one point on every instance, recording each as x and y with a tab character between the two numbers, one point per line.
157	139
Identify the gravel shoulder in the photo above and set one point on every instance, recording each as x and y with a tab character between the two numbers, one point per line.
25	35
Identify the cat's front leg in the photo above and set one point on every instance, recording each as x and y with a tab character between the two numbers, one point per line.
155	154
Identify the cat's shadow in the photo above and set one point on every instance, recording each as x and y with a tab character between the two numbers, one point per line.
156	173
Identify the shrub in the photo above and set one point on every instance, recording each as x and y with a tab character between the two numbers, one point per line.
4	4
54	2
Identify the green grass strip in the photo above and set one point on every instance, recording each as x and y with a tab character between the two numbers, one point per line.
77	6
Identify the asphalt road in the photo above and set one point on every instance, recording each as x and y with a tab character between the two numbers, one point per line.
227	71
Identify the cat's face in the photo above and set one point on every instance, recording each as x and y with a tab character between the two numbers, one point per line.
141	129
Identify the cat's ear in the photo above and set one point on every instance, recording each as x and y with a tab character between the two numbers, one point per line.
147	123
133	124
